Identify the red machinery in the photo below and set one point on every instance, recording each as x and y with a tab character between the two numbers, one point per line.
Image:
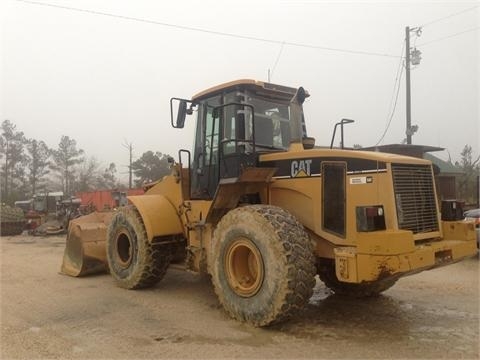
104	200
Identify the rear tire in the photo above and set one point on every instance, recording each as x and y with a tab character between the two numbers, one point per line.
133	260
328	276
263	271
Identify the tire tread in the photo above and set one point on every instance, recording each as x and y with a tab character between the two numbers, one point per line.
298	253
152	260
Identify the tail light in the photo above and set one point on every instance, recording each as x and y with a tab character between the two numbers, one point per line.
370	218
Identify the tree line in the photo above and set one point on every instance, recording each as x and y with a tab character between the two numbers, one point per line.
30	166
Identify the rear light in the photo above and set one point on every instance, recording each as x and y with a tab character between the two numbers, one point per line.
370	218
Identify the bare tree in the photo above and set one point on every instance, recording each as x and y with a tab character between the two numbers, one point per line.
88	175
108	179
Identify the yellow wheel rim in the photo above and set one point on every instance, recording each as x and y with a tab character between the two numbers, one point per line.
244	267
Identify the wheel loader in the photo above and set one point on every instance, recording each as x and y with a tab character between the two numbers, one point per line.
263	211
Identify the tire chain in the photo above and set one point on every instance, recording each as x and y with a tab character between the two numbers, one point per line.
300	261
156	259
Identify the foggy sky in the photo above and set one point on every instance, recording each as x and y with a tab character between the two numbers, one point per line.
104	80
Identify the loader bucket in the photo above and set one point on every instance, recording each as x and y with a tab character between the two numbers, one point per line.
85	252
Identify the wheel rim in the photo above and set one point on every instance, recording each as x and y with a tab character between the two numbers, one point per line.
244	267
124	249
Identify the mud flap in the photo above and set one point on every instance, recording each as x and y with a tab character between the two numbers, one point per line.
85	252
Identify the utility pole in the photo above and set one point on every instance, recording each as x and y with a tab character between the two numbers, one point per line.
129	147
407	78
410	130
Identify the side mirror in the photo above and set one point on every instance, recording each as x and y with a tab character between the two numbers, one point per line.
182	110
181	114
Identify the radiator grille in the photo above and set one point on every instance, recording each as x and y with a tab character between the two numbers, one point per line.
415	198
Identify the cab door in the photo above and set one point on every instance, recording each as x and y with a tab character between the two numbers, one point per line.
205	167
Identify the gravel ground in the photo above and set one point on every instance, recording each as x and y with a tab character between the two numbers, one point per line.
47	315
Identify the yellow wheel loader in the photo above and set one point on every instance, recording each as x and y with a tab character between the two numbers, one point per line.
263	211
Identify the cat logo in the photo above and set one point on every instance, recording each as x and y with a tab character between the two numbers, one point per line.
300	168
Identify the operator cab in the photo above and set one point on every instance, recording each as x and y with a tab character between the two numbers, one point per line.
235	123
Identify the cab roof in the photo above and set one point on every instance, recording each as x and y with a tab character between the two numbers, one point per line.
260	87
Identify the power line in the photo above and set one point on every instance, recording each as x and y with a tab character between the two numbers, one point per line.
397	86
450	16
394	108
213	32
450	36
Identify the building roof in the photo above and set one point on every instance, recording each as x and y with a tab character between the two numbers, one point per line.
404	149
419	151
51	194
444	166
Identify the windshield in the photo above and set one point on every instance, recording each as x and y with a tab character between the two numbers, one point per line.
271	118
272	123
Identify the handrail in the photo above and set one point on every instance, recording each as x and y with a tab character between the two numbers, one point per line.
341	123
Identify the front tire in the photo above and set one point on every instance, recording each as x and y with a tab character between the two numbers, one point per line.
264	266
133	260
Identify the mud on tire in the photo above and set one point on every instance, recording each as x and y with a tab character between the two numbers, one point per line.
134	262
263	270
326	272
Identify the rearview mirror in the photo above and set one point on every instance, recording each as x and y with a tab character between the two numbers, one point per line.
181	114
182	110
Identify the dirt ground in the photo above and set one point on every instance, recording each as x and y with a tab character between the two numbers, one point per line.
47	315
